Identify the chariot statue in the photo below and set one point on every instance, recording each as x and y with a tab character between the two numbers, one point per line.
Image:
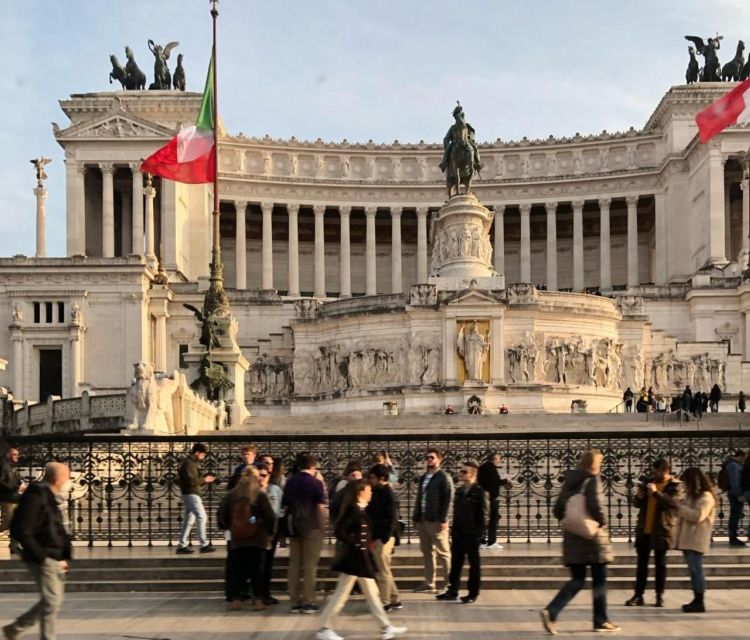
460	154
162	76
711	68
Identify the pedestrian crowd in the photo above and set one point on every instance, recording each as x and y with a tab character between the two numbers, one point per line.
264	507
695	403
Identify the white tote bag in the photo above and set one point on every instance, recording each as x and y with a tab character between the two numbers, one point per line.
577	519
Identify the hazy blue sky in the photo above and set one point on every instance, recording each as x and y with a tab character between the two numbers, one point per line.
354	69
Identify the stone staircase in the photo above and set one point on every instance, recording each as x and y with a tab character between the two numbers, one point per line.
377	423
518	566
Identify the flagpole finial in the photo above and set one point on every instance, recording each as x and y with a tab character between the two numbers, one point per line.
214	8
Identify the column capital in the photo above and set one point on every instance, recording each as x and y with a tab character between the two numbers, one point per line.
266	207
551	207
240	205
107	168
631	200
395	212
604	203
499	208
345	211
319	209
422	211
578	204
525	209
292	208
370	211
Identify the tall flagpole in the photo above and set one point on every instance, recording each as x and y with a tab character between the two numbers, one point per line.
216	300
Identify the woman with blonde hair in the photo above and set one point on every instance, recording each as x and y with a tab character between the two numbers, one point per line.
579	551
247	514
697	511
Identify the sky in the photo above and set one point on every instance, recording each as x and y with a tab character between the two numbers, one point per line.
349	69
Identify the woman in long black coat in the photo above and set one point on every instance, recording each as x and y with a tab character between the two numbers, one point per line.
580	552
355	563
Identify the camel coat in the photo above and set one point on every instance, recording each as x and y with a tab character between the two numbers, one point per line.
696	523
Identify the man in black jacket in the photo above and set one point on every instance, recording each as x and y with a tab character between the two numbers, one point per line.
470	515
191	482
11	488
46	549
491	480
434	495
383	511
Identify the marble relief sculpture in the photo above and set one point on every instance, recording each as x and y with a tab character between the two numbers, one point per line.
269	377
366	364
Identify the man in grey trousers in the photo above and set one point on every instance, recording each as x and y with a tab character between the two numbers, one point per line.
46	549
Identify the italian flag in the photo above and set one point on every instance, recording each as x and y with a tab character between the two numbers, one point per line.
189	156
732	108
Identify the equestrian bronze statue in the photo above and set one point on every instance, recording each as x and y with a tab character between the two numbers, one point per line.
460	154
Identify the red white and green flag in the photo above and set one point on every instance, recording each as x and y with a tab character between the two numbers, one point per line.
189	156
732	108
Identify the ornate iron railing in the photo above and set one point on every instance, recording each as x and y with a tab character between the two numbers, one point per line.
125	488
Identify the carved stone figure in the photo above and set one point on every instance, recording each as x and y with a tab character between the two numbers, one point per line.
473	348
306	308
162	76
178	79
432	373
76	317
422	295
460	154
17	313
150	396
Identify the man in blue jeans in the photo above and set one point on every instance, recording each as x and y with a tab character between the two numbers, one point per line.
736	496
191	482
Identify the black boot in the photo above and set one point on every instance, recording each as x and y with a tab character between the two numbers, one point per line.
696	606
659	600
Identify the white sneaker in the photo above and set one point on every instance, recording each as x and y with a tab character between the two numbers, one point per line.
494	547
391	632
328	634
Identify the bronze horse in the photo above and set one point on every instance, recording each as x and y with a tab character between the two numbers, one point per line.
118	73
733	70
460	168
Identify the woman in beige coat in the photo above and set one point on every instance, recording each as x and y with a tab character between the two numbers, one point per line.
697	511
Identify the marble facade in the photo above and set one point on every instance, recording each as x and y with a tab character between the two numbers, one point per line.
351	279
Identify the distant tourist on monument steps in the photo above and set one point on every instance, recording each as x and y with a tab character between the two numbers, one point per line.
627	398
191	482
11	488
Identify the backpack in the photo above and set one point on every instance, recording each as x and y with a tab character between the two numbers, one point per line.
244	524
722	480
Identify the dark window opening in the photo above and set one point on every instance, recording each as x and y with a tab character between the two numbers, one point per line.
37	313
61	312
182	350
50	373
48	312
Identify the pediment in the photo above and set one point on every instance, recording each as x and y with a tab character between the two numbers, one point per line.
474	295
114	126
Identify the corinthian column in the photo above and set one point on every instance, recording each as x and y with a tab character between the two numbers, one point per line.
396	285
421	245
41	221
345	266
525	243
108	209
240	245
370	283
500	238
605	268
137	214
150	193
292	212
267	247
632	202
551	208
578	245
320	256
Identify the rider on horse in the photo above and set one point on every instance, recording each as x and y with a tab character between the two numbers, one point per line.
451	139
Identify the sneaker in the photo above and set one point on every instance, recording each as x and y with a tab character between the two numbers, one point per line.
209	548
447	596
184	550
607	627
468	599
391	632
548	622
327	634
298	608
635	601
494	547
737	543
10	633
393	606
425	588
310	608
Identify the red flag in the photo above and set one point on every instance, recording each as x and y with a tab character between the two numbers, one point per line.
731	108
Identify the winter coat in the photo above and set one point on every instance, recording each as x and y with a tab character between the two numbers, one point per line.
353	532
489	479
439	493
189	477
471	512
38	526
696	523
383	512
578	550
663	537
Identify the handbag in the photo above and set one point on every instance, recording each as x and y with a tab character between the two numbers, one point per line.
577	519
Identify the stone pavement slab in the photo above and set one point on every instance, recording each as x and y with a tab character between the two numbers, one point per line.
508	615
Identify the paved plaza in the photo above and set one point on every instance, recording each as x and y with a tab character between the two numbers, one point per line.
497	614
